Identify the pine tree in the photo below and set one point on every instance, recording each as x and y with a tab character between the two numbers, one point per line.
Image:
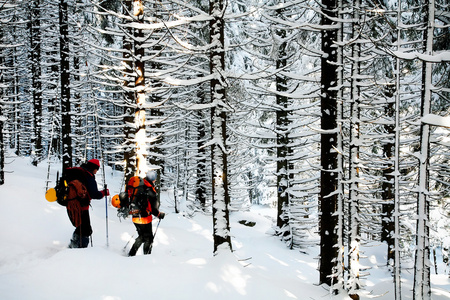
283	127
2	119
354	156
129	116
67	157
422	285
6	13
36	71
219	153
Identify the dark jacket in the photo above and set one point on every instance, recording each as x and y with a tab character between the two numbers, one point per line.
91	185
88	179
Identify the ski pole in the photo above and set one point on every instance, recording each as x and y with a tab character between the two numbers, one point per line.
124	248
159	221
106	209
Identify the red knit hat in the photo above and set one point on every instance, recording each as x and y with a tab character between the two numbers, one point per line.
95	162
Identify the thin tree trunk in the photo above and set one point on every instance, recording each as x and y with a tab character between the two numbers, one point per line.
396	213
340	261
2	150
354	178
35	57
387	194
200	191
282	130
2	93
396	176
16	89
65	84
421	287
80	140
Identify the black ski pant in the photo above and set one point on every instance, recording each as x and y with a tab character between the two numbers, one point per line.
85	229
145	236
81	234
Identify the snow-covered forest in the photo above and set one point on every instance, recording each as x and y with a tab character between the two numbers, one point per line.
334	114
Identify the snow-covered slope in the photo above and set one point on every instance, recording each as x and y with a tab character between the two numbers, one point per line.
36	264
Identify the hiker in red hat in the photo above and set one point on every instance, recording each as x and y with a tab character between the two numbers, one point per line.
79	214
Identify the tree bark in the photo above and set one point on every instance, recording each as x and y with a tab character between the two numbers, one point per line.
129	153
200	191
355	115
282	131
422	284
2	145
65	85
35	57
219	155
139	86
387	186
328	197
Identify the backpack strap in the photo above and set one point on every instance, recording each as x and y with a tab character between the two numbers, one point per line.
149	185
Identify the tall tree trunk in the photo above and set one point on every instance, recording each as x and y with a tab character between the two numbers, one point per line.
65	84
80	139
135	153
15	143
53	105
387	186
200	191
129	153
2	120
156	154
139	85
328	197
282	130
340	261
219	155
421	287
354	178
2	145
35	57
396	177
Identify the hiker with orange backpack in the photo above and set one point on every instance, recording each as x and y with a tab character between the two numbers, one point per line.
78	203
140	200
142	215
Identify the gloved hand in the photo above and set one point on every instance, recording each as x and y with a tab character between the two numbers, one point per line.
105	192
161	215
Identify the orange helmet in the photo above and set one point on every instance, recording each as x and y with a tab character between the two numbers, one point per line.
115	201
134	181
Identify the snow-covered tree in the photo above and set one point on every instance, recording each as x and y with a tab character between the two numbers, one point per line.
219	109
328	143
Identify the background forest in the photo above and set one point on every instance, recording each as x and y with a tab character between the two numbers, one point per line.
334	112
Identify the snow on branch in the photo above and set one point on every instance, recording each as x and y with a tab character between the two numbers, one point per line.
436	120
188	82
443	56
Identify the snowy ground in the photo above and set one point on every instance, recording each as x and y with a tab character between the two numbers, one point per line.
35	263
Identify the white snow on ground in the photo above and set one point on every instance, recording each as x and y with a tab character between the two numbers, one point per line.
36	264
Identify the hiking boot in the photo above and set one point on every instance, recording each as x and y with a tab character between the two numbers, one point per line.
75	241
79	242
84	241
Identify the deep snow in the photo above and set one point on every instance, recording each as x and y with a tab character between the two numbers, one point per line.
36	264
